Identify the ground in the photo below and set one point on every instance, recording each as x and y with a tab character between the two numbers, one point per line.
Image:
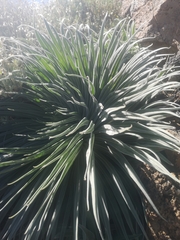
165	194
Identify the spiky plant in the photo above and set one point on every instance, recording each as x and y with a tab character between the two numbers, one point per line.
88	112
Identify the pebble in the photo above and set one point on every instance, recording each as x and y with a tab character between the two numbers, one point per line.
178	192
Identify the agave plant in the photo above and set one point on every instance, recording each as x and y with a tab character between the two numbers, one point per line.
87	113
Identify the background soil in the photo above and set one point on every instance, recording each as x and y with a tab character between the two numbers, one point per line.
165	194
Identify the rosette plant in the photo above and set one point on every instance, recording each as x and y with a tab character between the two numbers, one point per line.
87	113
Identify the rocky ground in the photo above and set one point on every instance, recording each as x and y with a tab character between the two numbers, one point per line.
165	194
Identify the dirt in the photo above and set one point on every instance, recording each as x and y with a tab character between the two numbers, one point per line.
155	18
165	194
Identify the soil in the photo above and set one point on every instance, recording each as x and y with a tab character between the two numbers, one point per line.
165	194
155	18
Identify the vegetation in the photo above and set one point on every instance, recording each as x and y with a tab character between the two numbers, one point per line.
71	136
16	15
74	131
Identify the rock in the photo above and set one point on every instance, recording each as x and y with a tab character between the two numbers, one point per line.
158	19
